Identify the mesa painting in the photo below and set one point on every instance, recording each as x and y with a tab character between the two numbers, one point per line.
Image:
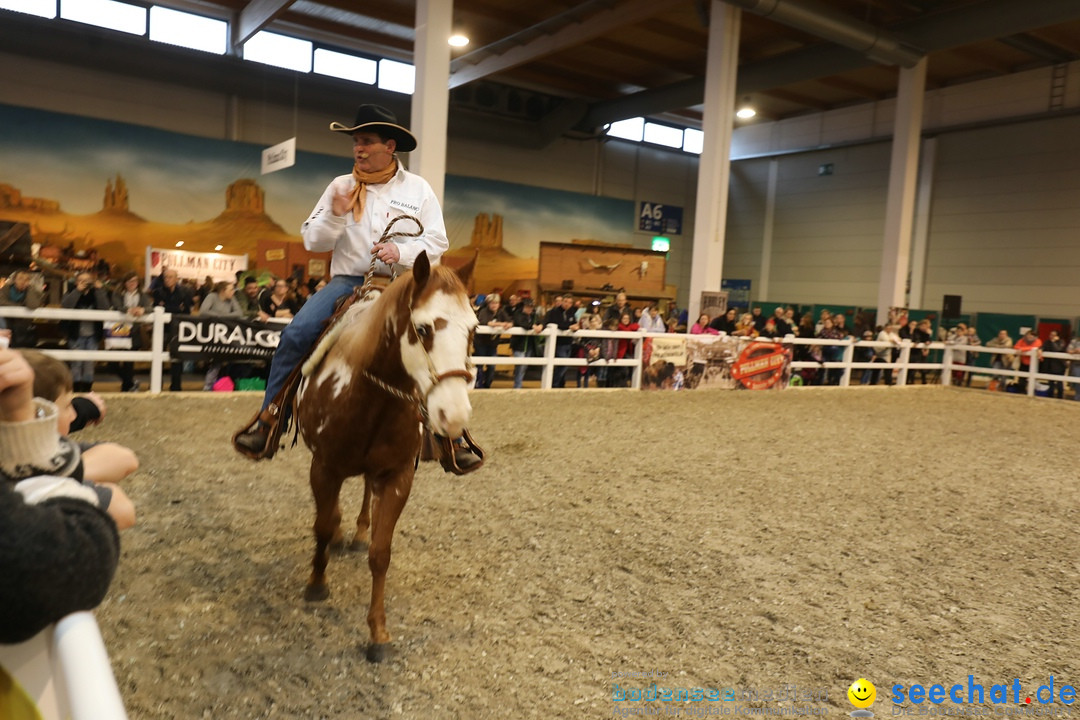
119	237
110	190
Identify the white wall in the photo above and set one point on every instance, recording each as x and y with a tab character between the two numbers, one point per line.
1005	220
829	228
746	223
1000	98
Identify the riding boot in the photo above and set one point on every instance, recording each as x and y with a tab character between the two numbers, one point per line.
467	456
254	440
458	456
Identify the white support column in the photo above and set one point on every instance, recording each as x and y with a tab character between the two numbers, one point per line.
767	232
714	165
921	240
431	96
900	205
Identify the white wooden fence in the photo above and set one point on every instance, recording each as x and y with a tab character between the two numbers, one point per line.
65	670
157	356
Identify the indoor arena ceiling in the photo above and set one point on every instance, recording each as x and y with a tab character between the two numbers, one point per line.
560	67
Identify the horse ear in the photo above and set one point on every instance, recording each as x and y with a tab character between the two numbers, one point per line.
421	271
465	272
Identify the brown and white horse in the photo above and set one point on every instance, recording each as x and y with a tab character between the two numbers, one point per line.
403	357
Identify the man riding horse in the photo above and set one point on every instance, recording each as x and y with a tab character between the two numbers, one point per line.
349	219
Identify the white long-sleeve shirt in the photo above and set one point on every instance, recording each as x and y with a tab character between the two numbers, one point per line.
351	241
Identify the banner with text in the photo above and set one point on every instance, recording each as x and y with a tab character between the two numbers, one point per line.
202	338
688	362
194	265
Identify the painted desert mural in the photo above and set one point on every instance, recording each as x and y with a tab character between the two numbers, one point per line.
93	190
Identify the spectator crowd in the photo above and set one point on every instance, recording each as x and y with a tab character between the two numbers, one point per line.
245	298
280	298
568	313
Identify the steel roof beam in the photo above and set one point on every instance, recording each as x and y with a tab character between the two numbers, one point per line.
495	59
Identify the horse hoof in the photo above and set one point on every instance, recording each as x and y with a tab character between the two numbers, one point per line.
378	652
316	593
358	546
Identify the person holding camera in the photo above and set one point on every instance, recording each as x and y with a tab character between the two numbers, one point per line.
88	294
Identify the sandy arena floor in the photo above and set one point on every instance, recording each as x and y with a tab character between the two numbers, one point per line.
737	539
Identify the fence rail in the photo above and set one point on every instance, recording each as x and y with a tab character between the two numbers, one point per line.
157	356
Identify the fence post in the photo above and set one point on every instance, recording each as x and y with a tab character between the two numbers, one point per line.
639	353
849	357
1033	370
905	358
946	366
157	344
547	377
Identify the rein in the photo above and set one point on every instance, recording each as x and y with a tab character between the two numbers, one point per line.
420	403
369	284
414	397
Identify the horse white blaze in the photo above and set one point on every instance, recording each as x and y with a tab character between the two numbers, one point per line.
448	403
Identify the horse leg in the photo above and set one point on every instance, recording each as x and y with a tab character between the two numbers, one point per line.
363	522
390	498
337	541
326	487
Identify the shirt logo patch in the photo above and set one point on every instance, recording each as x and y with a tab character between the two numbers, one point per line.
405	205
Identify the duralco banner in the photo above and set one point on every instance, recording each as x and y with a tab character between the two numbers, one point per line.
222	338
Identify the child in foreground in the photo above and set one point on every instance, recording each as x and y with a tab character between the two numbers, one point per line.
58	549
104	464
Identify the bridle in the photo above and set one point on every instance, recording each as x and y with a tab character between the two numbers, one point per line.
414	397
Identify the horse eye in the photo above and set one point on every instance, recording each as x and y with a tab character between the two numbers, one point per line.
423	330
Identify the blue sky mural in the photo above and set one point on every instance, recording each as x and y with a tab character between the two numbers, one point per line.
175	178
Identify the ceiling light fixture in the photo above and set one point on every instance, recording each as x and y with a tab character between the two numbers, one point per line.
458	40
746	109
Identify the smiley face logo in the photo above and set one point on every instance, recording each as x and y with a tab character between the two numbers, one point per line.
862	693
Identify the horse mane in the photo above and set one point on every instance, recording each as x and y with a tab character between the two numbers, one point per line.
376	324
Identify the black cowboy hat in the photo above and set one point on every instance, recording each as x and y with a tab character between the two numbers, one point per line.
376	118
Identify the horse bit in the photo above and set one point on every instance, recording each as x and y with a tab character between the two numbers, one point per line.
436	377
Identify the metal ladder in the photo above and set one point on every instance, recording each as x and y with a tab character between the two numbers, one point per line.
1057	86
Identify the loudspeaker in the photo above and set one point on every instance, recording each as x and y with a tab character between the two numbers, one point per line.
951	306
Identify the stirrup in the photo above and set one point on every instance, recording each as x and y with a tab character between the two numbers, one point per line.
271	418
449	459
443	449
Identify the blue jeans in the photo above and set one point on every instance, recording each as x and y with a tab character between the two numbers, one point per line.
485	345
519	370
299	335
558	378
83	370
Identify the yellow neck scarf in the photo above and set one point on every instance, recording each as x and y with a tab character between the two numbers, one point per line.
363	179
